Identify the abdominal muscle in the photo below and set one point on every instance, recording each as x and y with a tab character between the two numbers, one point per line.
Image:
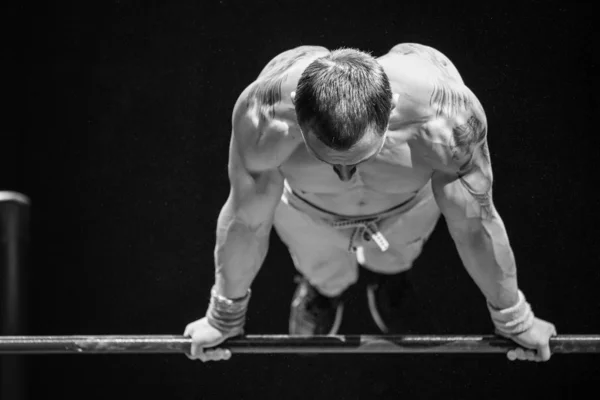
390	179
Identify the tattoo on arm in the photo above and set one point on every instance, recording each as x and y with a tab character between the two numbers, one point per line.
470	147
466	136
267	91
266	95
448	101
479	185
484	200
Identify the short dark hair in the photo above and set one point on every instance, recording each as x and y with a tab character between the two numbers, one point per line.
342	94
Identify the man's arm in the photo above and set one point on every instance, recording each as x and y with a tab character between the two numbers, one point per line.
455	142
246	218
257	148
462	185
465	198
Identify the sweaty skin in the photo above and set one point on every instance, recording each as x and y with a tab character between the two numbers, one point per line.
437	133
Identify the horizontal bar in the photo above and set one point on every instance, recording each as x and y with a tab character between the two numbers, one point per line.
270	344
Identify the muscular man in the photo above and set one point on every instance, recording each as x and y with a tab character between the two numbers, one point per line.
351	159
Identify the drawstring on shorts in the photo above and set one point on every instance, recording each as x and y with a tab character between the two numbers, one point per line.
363	227
366	228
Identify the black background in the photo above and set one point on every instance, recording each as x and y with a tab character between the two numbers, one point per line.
116	124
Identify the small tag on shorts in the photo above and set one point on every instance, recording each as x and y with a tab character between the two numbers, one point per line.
380	240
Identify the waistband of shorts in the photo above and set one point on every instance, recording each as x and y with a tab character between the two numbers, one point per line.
337	220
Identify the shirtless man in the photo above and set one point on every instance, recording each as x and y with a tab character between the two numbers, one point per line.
351	159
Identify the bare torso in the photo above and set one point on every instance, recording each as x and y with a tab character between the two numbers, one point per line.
394	175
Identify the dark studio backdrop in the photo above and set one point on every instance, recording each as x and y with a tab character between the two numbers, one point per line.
116	125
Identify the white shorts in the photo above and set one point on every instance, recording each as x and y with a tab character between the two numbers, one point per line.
325	247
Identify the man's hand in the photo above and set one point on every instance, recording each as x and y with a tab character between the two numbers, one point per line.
535	342
204	335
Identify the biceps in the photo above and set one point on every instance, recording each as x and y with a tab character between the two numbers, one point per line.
466	197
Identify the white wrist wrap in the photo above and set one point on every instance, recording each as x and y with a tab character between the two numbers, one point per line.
513	320
227	315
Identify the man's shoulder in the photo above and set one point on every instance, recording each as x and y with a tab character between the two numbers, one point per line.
261	138
414	70
452	121
428	82
264	116
282	62
418	61
270	93
279	78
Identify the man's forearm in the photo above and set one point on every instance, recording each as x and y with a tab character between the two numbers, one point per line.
484	248
240	250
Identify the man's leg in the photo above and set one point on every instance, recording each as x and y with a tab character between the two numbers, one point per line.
320	255
393	302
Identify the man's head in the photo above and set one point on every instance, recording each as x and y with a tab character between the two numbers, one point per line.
343	103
